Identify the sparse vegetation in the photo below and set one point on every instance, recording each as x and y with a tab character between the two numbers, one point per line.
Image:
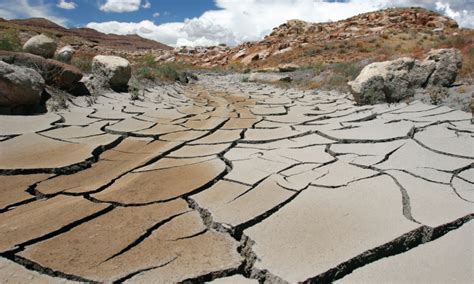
136	93
83	63
58	100
437	95
147	69
9	40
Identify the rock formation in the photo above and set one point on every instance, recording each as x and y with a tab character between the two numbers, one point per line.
115	69
55	73
393	81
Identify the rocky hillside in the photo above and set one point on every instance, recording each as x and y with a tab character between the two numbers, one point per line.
84	40
377	35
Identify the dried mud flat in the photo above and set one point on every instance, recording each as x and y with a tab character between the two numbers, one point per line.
233	183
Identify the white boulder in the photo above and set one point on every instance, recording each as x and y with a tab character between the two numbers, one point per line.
65	54
41	45
116	70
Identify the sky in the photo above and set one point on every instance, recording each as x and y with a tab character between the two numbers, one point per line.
210	22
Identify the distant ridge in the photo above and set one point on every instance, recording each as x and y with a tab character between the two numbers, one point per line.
80	37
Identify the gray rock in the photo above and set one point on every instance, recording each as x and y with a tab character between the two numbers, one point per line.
269	77
447	62
117	70
55	73
388	81
65	54
393	81
19	86
41	45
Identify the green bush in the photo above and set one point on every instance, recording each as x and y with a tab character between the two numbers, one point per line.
84	64
9	41
167	71
349	70
145	73
147	60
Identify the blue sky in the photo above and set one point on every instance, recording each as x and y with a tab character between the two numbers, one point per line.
210	22
170	11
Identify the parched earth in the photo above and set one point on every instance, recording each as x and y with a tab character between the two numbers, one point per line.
234	182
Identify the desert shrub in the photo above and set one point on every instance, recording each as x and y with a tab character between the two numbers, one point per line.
147	60
311	52
145	73
318	67
83	63
58	100
167	71
437	95
171	71
135	93
244	79
349	70
337	82
9	41
236	66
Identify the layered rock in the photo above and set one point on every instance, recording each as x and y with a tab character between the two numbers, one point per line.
19	86
116	70
55	73
41	45
393	81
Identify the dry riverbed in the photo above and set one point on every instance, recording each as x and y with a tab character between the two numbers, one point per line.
237	182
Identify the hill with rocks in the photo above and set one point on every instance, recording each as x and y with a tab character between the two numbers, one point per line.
84	40
384	34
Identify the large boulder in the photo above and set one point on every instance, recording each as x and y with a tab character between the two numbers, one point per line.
393	81
41	45
62	75
55	73
19	86
115	69
65	54
447	62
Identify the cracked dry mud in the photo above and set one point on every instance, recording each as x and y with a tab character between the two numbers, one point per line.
237	183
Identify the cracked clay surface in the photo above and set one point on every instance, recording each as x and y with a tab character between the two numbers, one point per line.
230	182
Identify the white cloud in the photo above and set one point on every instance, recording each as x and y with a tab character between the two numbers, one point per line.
66	5
16	9
249	20
121	6
464	17
156	15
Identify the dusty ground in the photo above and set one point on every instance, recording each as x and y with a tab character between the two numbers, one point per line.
236	182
